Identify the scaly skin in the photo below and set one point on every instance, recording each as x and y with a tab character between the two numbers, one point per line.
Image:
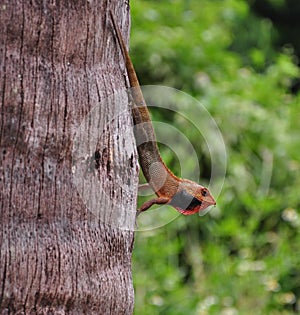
184	195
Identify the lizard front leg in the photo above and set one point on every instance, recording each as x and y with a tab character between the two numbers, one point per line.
155	201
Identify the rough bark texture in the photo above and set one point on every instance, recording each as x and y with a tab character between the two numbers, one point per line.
58	61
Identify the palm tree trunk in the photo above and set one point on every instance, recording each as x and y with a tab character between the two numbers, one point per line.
67	194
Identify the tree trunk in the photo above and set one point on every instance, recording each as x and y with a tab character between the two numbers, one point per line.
68	174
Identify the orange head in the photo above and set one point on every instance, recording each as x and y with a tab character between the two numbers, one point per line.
191	198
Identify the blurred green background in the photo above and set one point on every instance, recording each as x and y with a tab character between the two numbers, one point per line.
239	59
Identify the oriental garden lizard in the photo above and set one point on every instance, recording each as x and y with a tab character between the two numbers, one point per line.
184	195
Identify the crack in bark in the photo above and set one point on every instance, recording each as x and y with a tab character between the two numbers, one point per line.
3	92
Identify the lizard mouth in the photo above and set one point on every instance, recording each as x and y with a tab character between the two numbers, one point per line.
205	205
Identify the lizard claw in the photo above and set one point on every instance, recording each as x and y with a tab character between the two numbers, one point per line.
138	212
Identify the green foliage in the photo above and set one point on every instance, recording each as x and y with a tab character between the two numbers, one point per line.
242	257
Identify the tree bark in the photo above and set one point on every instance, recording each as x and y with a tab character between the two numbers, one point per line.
68	174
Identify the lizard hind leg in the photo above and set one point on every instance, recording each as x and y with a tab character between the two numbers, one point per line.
145	186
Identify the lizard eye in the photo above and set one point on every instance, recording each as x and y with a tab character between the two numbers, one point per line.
204	192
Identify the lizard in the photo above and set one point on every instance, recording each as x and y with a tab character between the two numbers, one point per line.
184	195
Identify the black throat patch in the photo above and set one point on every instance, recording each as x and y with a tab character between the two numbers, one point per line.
185	201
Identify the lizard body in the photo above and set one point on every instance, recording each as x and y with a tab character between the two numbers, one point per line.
184	195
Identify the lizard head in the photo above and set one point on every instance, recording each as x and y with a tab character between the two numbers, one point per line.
191	198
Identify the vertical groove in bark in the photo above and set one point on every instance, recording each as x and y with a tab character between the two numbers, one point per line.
57	256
